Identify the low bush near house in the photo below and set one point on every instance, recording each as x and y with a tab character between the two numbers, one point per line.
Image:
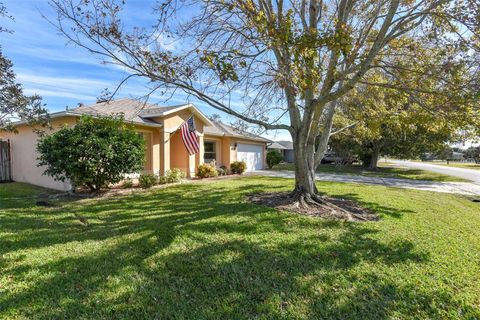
175	175
172	176
206	171
274	157
222	172
238	167
127	183
147	180
162	180
94	153
225	169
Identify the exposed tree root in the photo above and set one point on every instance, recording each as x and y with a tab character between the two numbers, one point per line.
314	205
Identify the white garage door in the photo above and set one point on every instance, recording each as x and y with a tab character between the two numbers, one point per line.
252	155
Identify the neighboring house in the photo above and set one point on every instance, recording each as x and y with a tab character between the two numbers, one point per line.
457	156
158	125
285	148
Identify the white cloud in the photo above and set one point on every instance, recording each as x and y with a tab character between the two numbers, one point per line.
167	43
60	94
61	82
81	89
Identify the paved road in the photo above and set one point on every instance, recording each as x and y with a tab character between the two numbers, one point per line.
469	174
446	187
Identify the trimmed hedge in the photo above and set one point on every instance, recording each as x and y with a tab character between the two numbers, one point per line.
206	171
238	167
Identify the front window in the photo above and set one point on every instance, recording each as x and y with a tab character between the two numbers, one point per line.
210	153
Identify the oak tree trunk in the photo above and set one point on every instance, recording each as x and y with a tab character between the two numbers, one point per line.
374	159
305	191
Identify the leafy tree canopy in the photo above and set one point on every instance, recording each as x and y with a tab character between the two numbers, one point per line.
473	153
422	117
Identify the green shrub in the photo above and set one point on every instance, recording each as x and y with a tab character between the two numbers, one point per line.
94	153
206	171
225	170
274	157
162	180
175	175
127	183
221	172
238	167
147	180
172	176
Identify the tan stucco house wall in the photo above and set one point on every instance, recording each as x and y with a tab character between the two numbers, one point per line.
24	155
164	147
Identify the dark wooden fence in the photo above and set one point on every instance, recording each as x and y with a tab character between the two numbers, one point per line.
5	163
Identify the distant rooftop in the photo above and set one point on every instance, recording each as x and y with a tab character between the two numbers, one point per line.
287	144
276	145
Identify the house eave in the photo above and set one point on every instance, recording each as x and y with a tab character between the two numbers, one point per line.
61	114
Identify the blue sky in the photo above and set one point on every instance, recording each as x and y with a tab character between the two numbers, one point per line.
65	75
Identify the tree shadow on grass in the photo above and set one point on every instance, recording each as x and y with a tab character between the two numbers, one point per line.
197	252
374	206
234	278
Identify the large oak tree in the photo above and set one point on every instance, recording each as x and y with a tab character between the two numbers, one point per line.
281	65
418	109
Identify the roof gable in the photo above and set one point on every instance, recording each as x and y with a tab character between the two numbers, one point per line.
137	111
166	111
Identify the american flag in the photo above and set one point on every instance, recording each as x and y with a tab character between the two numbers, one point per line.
189	136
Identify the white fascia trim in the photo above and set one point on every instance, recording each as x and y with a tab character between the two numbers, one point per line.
215	134
50	115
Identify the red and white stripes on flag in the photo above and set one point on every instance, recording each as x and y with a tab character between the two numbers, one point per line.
189	136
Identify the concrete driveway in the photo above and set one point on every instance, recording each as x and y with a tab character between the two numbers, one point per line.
468	174
446	187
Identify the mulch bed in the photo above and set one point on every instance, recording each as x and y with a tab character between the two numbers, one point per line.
334	208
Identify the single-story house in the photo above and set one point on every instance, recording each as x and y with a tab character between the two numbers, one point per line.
285	148
457	156
159	127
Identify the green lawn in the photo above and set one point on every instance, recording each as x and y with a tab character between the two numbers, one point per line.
198	251
466	165
384	171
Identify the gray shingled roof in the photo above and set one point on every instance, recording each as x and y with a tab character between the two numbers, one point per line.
158	111
130	108
276	145
287	144
222	129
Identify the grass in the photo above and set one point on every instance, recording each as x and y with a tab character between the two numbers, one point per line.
465	165
455	164
199	251
384	171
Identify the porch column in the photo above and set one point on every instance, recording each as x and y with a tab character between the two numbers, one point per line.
164	152
191	165
156	153
201	153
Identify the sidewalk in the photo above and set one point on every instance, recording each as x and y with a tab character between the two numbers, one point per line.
446	187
